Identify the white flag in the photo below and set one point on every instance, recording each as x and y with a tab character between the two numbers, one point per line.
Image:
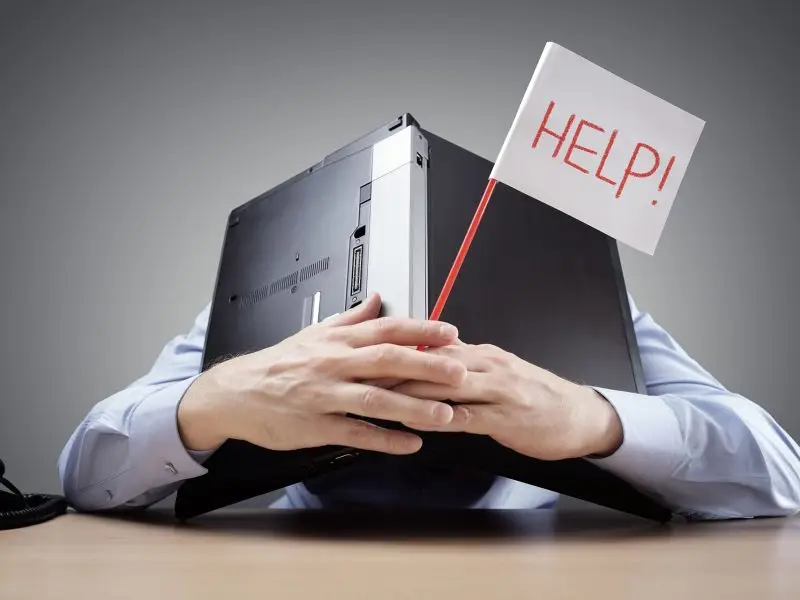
598	148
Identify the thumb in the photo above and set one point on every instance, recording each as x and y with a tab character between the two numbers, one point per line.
370	308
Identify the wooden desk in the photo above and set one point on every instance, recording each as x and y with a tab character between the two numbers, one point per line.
383	554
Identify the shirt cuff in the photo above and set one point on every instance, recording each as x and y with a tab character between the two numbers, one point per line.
157	448
200	456
652	446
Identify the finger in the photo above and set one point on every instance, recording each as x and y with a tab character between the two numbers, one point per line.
475	419
344	431
469	355
369	309
483	419
399	331
475	388
387	362
386	383
387	405
446	428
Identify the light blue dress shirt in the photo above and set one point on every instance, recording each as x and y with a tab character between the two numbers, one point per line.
702	450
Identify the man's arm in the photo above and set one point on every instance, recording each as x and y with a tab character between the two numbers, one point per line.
131	450
706	452
128	452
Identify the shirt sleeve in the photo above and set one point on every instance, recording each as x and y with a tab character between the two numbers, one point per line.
703	451
128	452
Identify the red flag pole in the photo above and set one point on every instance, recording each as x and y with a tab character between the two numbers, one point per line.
462	251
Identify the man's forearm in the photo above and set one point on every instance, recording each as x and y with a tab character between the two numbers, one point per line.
127	451
712	455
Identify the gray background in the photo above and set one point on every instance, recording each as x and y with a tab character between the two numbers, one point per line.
129	130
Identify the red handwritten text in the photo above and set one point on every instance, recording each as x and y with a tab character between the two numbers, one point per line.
644	161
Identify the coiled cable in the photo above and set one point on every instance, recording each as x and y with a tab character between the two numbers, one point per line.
22	510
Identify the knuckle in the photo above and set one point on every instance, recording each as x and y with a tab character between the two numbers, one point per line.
440	366
385	354
334	335
385	325
363	435
371	399
359	433
493	353
325	332
321	363
466	416
392	443
316	362
431	363
431	328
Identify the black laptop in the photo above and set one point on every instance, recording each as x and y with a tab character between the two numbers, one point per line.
388	213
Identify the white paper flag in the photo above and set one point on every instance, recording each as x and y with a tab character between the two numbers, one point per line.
598	148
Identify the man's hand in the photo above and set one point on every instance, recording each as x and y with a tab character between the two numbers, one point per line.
521	406
297	393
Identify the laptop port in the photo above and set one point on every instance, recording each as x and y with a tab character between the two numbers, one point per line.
357	270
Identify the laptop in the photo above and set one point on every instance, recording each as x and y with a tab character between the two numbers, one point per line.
387	213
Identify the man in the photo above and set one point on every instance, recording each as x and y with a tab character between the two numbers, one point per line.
703	451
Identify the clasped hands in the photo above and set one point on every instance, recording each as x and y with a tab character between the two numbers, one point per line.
521	406
304	391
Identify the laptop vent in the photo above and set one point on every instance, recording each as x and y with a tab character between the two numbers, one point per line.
287	282
284	283
314	270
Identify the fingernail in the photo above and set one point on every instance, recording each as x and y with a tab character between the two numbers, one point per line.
414	445
443	414
447	330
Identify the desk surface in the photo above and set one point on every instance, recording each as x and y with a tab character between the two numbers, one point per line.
389	554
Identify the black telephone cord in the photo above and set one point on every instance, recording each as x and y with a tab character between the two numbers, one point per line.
22	510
